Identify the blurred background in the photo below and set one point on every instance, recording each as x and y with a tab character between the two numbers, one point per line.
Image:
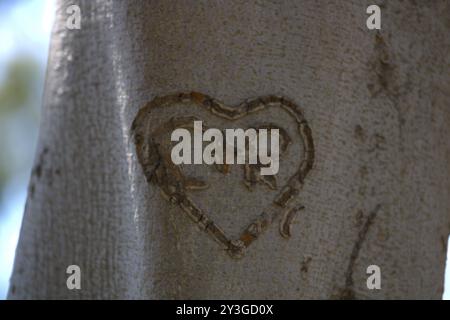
25	27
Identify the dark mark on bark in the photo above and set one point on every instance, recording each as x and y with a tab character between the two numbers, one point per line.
305	264
386	78
31	190
348	292
382	68
444	244
40	170
359	133
37	171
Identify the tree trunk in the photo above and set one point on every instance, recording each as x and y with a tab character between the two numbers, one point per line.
377	105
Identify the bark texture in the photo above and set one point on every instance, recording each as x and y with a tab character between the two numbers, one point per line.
378	105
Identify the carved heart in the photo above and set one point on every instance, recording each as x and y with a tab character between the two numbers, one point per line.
159	169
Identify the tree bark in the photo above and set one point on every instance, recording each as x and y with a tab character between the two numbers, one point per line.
377	103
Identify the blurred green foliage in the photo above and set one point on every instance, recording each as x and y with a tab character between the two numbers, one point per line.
19	104
17	86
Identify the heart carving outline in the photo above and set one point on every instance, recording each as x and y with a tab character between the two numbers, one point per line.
174	186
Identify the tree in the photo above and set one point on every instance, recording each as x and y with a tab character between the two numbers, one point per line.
376	103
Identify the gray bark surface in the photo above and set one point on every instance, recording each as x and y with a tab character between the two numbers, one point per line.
378	105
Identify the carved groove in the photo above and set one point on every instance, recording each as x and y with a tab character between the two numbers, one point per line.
159	169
